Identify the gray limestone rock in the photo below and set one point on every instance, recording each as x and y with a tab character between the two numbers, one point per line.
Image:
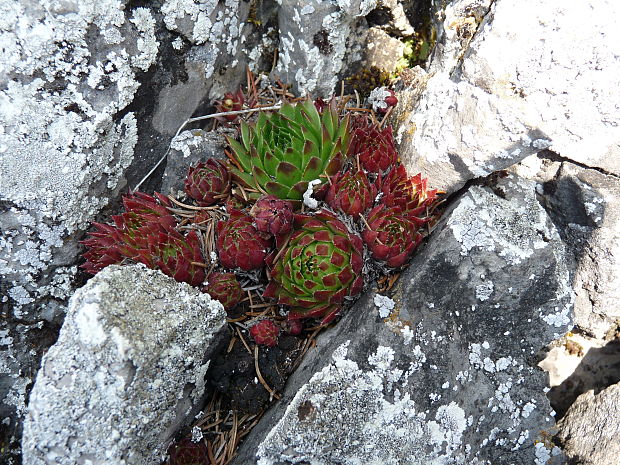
583	204
497	94
126	373
577	364
590	430
83	87
68	70
445	370
317	41
382	50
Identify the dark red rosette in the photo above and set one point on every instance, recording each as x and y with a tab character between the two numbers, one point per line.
273	215
351	193
208	182
225	288
265	332
392	235
239	244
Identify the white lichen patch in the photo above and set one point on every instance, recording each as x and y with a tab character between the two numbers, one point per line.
384	305
484	290
68	69
309	201
379	424
187	142
377	97
507	229
566	90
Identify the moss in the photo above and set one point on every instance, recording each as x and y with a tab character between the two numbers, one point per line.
365	80
417	50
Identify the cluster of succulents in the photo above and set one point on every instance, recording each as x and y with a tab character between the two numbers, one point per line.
366	216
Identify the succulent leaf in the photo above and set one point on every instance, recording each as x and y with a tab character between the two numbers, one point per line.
230	102
351	193
265	332
408	194
225	288
392	235
111	244
186	452
273	215
374	148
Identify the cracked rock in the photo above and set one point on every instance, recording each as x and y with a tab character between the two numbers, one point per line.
126	372
446	373
317	40
497	94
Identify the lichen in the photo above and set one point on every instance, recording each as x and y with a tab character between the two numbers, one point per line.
374	428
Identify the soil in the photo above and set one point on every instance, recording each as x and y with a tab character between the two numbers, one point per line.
233	373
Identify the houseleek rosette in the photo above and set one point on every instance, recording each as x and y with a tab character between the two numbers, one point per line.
109	244
239	244
225	288
392	235
284	150
316	267
208	182
351	193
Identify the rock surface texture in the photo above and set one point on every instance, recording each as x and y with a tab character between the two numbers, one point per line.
496	94
91	93
128	369
317	40
590	430
446	371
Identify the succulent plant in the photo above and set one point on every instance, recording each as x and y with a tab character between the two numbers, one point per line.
230	102
240	244
208	182
392	235
265	332
105	245
273	215
101	248
284	150
410	194
317	266
374	147
225	288
186	452
164	248
351	193
293	326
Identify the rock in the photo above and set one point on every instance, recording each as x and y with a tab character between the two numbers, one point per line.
127	370
584	204
577	364
317	40
446	372
69	70
390	16
502	95
187	149
589	432
383	51
83	89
